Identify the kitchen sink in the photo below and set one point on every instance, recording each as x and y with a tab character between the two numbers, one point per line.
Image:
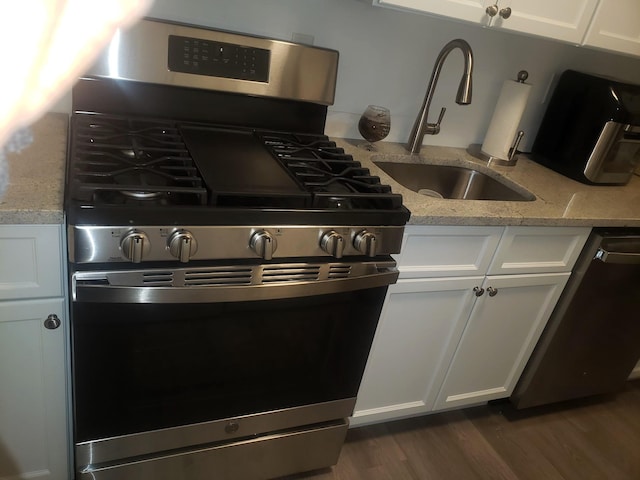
454	182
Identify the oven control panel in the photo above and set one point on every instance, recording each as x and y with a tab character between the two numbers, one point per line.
218	59
98	244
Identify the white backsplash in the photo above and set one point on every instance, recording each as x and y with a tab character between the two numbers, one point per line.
386	58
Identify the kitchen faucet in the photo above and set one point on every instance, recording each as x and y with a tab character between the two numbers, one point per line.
421	126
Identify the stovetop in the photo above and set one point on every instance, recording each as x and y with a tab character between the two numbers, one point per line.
128	166
223	159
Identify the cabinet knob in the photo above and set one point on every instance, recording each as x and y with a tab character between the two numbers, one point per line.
479	291
505	12
492	291
52	322
492	10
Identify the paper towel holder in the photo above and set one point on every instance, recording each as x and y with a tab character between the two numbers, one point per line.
476	150
511	159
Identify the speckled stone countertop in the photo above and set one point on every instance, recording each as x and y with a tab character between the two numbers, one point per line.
559	201
36	176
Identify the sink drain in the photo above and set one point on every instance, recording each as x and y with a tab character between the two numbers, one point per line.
430	193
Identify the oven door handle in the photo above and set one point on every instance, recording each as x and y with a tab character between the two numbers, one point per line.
96	287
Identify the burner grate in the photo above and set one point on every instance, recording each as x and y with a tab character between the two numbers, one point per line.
118	160
331	175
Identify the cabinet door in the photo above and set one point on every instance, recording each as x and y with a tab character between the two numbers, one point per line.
33	411
567	20
616	26
499	337
436	251
420	326
30	264
469	10
538	249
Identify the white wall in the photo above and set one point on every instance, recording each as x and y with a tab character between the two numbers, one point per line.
386	58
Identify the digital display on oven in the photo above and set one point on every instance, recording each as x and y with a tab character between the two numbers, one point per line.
218	59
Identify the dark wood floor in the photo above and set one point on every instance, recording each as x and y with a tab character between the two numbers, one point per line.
580	440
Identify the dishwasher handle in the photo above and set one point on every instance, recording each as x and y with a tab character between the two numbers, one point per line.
611	252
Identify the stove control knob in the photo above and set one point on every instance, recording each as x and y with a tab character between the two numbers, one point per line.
135	245
365	242
332	243
182	245
263	243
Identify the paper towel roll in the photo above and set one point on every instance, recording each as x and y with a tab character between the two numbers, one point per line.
506	118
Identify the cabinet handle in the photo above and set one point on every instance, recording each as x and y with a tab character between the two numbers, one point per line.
505	12
478	291
52	322
492	10
492	291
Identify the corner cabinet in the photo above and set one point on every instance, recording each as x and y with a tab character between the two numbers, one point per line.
33	393
566	21
459	326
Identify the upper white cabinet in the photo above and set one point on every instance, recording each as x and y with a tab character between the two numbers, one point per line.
468	10
567	20
606	24
616	26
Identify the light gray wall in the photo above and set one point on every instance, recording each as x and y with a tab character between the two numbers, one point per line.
386	58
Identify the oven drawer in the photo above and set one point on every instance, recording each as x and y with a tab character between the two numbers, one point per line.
257	458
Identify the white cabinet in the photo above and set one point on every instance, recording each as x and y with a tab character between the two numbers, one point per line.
415	341
500	335
567	20
459	326
30	265
33	392
469	10
616	26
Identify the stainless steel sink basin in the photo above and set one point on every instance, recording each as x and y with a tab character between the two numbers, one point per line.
446	181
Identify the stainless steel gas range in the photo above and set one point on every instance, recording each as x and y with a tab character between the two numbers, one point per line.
227	262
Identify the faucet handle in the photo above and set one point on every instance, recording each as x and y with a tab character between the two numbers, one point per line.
434	128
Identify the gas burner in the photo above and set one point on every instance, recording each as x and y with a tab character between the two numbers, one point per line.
304	147
117	157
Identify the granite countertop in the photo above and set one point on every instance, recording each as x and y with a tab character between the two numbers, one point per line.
36	176
559	200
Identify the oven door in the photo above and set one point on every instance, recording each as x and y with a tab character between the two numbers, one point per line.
161	365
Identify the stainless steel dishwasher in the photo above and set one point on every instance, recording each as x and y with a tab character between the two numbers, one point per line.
592	340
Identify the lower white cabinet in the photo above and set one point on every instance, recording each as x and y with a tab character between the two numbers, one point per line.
502	331
33	389
421	321
446	341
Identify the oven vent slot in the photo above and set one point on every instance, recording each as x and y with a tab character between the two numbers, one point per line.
283	273
221	276
339	271
157	279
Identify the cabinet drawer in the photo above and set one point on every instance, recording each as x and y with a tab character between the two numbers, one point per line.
434	251
30	261
538	249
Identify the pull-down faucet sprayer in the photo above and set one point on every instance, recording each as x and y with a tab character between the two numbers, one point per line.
421	127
